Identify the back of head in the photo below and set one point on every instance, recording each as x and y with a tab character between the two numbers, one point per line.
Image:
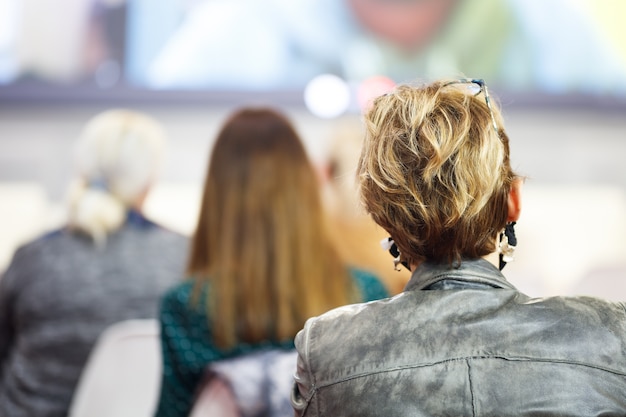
342	160
354	233
434	170
261	239
260	181
118	156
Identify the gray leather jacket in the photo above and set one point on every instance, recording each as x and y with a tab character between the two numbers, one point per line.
464	342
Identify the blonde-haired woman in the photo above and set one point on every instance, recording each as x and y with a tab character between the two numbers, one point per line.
108	264
460	340
118	157
355	234
261	262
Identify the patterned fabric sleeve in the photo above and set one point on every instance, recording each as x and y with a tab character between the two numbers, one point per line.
186	349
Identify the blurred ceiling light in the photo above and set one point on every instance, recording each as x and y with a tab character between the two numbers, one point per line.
327	96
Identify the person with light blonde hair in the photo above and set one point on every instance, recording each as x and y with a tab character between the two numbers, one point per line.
261	261
460	340
108	264
118	158
354	233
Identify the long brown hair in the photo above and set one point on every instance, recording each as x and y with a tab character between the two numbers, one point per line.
261	241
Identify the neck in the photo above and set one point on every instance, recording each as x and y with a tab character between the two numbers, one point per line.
492	258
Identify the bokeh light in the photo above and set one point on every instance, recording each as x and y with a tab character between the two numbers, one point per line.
327	96
371	88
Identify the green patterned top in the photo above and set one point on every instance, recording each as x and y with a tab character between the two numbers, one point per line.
188	348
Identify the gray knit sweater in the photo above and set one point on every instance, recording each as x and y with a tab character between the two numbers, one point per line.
60	292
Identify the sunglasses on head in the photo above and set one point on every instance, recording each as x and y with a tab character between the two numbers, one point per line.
479	87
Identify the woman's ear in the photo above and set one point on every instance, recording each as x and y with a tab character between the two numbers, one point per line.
515	200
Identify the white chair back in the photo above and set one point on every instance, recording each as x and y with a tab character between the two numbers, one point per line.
122	375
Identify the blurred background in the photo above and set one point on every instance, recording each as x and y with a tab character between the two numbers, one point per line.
557	68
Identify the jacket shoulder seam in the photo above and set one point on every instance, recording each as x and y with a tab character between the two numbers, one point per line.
467	359
471	387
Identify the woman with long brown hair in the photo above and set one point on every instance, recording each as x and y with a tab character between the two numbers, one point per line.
261	262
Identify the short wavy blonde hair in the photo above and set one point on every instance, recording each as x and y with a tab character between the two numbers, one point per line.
434	171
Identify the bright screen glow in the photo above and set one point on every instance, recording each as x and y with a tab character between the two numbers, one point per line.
550	47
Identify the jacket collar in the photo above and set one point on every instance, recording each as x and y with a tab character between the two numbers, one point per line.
136	219
473	272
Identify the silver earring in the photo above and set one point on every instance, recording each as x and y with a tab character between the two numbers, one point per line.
396	262
389	245
506	246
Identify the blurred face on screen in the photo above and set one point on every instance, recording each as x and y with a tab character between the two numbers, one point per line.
410	24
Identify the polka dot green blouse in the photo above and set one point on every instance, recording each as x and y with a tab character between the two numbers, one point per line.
188	348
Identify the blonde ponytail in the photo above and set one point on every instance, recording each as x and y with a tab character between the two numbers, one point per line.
95	212
118	156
